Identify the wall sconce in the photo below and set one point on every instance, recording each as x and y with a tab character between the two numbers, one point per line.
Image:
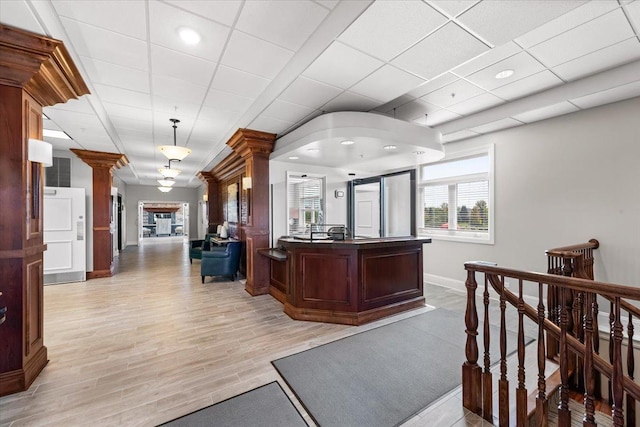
205	197
40	152
246	182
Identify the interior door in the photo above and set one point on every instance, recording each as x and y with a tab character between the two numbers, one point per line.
64	235
185	210
367	210
203	220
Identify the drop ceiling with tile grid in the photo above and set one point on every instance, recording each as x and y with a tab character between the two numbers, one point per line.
274	65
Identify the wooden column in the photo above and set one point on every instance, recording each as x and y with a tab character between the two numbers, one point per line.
35	71
102	165
214	209
254	148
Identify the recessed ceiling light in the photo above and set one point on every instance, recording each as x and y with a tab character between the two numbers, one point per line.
419	152
55	134
189	36
389	147
504	74
313	150
347	142
293	157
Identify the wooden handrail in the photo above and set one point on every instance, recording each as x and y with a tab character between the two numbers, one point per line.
566	250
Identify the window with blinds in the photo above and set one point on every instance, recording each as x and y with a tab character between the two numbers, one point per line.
305	202
456	198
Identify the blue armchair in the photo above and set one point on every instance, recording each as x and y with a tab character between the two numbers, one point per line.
197	246
221	261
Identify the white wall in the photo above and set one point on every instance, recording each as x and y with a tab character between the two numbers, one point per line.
137	193
335	209
558	182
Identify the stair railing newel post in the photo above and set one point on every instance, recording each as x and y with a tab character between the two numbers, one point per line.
589	378
542	404
487	378
553	304
503	382
617	375
471	371
521	391
564	414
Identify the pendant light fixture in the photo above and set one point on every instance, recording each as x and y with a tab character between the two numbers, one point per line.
166	182
167	172
165	189
174	152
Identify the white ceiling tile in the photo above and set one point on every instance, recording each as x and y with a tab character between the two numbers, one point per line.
122	96
227	101
219	118
386	83
329	4
172	105
499	21
120	110
566	22
286	111
285	23
457	136
239	82
527	86
167	62
488	58
608	96
452	7
220	11
600	60
137	127
267	124
441	116
165	20
204	129
395	103
633	10
349	101
178	90
265	60
124	17
475	104
116	75
505	123
413	110
432	85
310	93
594	35
522	64
79	105
388	28
420	58
341	66
105	45
546	112
452	93
17	14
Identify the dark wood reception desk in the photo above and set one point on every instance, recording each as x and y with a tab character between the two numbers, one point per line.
350	282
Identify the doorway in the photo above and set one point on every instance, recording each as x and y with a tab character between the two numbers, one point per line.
163	221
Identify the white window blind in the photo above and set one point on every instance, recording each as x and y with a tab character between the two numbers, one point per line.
305	202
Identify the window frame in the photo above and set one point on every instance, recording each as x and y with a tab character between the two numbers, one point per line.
452	234
301	210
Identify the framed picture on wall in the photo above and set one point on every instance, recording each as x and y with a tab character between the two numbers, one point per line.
232	203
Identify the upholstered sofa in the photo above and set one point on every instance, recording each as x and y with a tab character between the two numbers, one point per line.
222	261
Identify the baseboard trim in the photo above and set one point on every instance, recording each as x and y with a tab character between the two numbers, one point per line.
444	281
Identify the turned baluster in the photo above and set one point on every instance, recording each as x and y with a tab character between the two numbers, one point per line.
553	306
471	386
617	374
503	383
487	381
542	405
631	364
564	414
596	344
521	391
589	380
578	316
611	319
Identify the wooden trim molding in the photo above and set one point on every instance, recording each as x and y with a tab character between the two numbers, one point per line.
247	143
100	159
40	65
232	165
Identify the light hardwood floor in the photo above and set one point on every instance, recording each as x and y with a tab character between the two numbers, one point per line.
152	343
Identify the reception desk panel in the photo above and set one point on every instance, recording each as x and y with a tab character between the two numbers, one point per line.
350	282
